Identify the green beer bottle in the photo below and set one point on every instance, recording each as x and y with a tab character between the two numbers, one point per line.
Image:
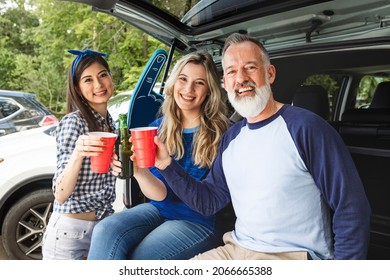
124	148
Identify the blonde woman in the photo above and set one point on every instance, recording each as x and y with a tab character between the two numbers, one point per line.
194	119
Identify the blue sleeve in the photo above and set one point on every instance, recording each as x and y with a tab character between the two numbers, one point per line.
156	122
330	164
185	162
207	196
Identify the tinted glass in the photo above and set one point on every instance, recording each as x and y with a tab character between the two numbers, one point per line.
7	108
22	112
331	83
175	8
199	12
30	115
366	90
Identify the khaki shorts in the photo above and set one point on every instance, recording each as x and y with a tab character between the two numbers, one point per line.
233	251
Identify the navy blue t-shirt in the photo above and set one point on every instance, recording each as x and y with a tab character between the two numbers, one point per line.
172	207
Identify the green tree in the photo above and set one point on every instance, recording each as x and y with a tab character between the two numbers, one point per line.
34	55
14	20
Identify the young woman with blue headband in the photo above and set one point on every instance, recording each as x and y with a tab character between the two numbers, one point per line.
82	197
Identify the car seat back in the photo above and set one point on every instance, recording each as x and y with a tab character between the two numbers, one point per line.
381	98
313	98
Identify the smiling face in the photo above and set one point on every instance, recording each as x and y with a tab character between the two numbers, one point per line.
247	79
191	89
96	86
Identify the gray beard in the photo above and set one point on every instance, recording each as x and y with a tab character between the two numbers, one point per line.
251	106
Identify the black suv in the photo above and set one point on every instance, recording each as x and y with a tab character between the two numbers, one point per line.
331	57
21	111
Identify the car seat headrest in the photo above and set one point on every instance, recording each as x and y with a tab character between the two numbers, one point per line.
381	98
313	98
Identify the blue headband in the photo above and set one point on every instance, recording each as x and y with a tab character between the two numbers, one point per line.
82	54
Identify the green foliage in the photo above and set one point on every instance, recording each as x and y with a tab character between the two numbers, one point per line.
13	21
7	66
35	36
177	8
326	81
329	82
363	94
366	90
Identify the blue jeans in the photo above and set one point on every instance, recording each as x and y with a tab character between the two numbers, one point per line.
141	233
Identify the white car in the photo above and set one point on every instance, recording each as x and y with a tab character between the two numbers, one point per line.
119	104
27	166
28	162
332	57
21	111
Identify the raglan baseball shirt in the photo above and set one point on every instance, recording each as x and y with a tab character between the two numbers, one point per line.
293	185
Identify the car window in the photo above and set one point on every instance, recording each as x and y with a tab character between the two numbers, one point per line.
8	107
176	9
366	90
331	83
30	115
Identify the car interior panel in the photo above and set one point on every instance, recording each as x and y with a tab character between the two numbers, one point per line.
366	131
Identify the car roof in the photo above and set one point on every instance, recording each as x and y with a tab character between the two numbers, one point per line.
278	24
11	93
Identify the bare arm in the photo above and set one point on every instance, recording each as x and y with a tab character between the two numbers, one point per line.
151	187
66	181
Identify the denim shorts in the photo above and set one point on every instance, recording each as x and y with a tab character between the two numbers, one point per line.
67	238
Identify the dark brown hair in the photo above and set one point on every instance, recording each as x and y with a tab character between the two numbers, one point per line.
74	98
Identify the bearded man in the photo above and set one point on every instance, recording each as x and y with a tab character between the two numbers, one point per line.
293	184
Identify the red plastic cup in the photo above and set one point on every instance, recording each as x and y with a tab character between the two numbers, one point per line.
101	163
144	146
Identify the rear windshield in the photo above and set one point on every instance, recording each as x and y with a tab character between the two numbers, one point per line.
200	12
176	9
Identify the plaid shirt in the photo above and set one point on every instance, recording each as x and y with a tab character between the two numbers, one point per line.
93	191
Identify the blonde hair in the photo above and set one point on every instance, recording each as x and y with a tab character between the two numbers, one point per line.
213	119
